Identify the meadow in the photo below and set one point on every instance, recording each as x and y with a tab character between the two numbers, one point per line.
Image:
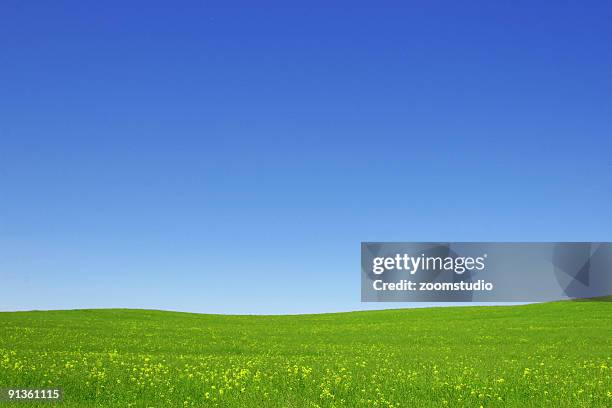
555	354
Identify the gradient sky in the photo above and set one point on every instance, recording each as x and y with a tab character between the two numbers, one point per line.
231	159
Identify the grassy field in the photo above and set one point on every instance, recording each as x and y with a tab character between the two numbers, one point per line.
556	354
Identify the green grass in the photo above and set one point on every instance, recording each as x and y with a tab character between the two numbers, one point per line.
554	354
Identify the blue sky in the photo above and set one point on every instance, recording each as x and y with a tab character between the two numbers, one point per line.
231	159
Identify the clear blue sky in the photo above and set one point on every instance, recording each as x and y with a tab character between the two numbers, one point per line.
199	158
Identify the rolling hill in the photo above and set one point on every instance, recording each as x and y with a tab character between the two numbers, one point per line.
552	354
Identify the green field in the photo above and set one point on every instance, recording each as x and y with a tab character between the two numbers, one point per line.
554	354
